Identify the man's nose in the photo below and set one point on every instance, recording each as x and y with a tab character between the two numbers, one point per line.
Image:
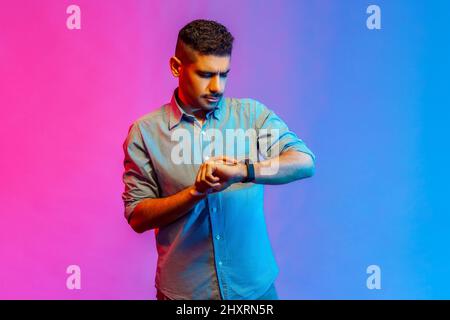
214	85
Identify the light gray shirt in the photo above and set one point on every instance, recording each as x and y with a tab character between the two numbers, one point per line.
220	249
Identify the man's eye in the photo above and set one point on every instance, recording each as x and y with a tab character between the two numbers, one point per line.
205	75
224	75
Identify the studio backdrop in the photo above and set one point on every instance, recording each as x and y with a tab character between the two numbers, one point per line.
363	83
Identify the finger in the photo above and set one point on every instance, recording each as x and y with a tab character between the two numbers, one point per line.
202	174
228	160
205	181
215	186
204	187
220	187
211	185
199	174
203	178
209	173
216	159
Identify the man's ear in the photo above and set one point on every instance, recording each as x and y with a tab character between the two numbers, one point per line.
175	66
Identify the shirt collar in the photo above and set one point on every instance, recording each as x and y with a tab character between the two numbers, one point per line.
176	112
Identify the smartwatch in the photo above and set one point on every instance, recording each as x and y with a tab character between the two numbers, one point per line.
250	171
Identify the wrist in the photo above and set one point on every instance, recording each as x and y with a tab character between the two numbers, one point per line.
195	193
242	172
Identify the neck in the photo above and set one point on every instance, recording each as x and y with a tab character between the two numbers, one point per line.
198	113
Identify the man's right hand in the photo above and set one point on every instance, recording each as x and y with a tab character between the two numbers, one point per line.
206	181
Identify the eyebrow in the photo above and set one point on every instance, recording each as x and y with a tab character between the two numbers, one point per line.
211	72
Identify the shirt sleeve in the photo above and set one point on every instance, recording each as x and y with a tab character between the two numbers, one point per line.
274	136
139	176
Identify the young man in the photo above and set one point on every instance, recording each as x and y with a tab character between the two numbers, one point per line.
195	171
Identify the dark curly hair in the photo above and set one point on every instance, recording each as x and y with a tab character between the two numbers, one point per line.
206	37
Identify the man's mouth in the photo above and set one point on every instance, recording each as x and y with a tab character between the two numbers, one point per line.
212	99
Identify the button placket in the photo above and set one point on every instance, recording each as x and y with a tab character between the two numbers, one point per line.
218	247
202	137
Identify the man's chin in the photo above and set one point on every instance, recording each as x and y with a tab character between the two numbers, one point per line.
208	106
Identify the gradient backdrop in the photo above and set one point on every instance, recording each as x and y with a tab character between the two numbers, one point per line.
372	104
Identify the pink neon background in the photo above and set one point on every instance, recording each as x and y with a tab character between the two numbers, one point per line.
68	97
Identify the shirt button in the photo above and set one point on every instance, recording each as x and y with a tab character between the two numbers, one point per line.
218	237
203	132
214	209
220	263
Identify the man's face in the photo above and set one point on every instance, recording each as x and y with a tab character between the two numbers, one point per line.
202	83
